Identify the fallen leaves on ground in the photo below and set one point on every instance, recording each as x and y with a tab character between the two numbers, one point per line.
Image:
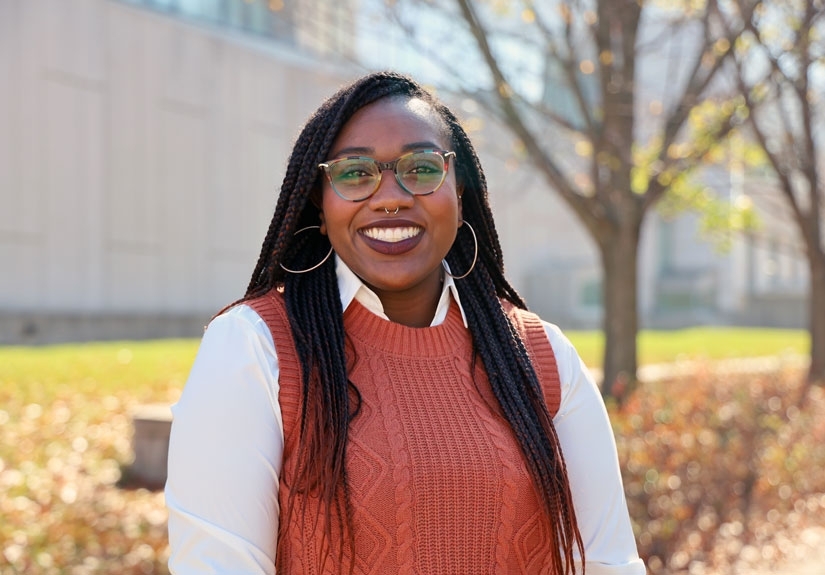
722	473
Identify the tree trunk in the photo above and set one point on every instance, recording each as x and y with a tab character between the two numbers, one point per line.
620	321
816	260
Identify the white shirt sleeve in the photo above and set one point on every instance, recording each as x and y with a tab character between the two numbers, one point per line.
225	453
589	451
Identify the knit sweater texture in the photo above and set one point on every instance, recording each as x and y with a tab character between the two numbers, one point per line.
438	484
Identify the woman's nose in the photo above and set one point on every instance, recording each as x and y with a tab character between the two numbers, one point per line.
390	195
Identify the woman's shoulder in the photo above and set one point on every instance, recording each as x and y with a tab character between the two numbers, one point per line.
561	345
527	320
266	316
265	309
274	298
237	323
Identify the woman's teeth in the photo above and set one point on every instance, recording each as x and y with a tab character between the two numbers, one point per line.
391	235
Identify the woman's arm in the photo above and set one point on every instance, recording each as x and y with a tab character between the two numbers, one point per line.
225	453
593	467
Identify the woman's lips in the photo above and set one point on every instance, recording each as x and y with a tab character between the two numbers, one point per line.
392	235
394	239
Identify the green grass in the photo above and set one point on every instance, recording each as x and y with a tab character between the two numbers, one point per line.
65	432
147	370
150	368
698	343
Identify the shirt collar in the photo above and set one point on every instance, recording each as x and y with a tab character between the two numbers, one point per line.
352	288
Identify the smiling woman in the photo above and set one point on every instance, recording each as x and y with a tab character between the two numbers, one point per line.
395	237
393	408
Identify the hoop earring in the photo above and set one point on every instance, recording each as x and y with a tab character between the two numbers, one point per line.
316	266
475	256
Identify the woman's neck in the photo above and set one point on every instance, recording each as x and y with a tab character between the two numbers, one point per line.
414	307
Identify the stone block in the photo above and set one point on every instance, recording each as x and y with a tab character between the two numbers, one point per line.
152	425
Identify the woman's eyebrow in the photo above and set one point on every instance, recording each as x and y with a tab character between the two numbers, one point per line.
419	146
362	150
354	151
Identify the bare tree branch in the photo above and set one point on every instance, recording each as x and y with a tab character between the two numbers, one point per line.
784	92
596	51
505	98
696	85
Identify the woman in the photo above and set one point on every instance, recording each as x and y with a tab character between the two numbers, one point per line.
380	401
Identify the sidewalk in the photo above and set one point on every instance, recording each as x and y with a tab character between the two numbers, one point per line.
807	558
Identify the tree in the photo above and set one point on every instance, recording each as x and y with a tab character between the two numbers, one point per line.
780	65
608	57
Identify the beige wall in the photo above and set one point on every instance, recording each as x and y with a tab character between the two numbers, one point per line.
140	158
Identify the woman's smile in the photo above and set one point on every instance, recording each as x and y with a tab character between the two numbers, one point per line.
392	235
395	238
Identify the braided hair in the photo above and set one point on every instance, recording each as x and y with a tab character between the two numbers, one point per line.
315	314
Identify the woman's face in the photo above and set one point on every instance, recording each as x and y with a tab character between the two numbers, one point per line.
396	254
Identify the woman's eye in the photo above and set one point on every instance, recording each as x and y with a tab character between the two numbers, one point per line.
423	168
354	173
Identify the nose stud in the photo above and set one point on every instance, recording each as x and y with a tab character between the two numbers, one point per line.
393	213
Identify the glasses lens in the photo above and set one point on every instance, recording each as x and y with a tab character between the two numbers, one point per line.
421	172
354	178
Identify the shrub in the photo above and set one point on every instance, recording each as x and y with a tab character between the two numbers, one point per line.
720	470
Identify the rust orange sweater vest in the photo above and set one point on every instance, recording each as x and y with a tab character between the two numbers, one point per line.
438	483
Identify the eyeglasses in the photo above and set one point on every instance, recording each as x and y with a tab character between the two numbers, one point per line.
356	178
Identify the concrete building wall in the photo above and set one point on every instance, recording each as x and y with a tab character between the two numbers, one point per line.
140	158
548	255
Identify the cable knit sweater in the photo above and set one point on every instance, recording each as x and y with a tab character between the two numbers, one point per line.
437	480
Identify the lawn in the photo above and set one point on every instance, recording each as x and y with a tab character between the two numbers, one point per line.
717	470
65	436
702	343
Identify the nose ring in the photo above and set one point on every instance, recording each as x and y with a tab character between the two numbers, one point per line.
394	213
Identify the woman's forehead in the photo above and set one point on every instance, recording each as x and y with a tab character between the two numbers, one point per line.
421	108
415	111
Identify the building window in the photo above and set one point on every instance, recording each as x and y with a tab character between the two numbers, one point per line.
560	97
263	17
590	294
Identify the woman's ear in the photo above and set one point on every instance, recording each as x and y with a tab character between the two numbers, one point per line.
460	192
315	198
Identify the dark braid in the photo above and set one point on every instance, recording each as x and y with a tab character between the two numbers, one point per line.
505	358
314	309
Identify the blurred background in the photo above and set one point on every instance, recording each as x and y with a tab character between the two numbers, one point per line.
142	145
652	165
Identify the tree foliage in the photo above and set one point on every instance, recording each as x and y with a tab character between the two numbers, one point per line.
615	103
780	72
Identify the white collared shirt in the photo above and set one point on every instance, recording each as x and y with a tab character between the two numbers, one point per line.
227	445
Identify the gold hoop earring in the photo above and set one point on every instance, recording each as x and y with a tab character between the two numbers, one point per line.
316	266
475	256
